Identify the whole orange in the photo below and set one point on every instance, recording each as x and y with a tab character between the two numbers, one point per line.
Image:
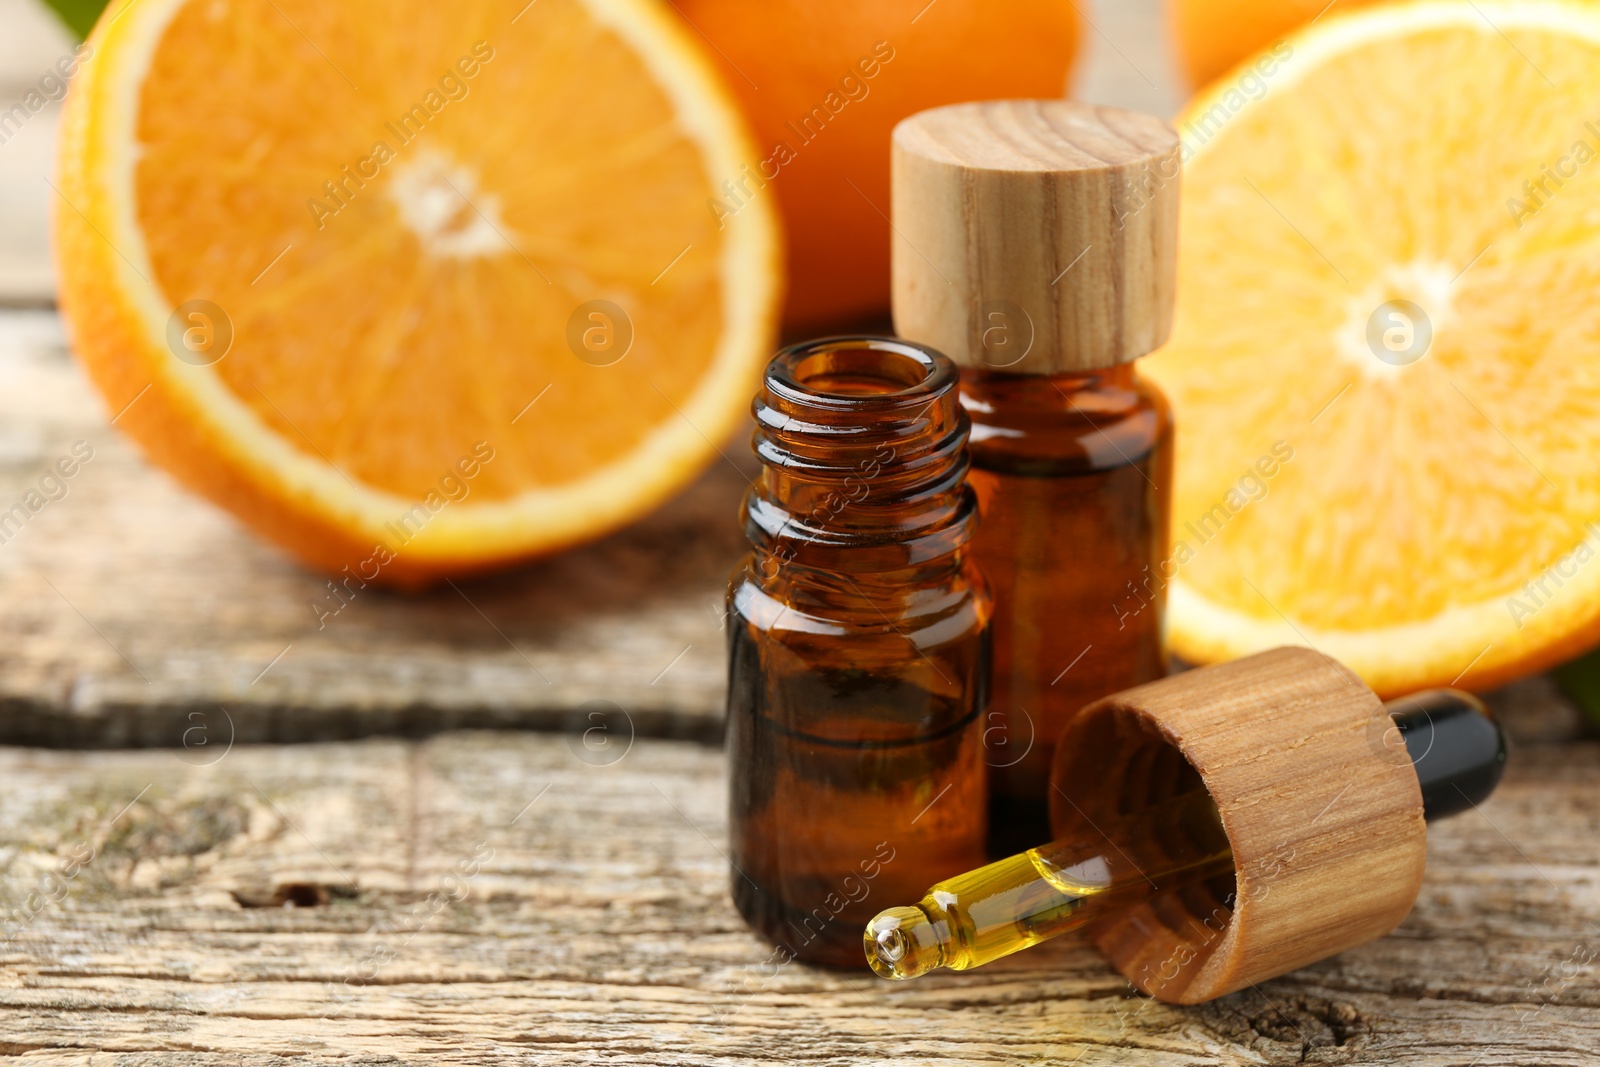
825	81
1213	35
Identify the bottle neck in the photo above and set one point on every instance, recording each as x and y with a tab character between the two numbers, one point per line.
1110	389
1062	424
863	444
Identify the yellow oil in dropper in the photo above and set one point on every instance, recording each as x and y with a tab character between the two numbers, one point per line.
1453	745
1015	903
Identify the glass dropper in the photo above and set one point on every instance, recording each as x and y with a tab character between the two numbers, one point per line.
984	915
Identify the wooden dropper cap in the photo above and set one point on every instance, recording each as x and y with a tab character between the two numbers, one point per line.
1323	813
1035	236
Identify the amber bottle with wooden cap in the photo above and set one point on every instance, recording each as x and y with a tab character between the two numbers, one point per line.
1036	246
858	647
1218	829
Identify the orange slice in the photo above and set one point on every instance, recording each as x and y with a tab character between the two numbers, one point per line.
414	288
1386	366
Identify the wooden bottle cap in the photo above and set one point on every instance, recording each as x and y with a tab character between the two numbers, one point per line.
1035	236
1324	817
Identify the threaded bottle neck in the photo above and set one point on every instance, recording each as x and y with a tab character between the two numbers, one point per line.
863	441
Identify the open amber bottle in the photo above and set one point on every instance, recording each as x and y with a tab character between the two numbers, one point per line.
858	647
1037	247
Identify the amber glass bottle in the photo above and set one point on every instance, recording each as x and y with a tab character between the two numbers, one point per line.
1073	474
858	647
1036	245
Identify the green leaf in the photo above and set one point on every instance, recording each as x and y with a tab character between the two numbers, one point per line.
1581	681
79	15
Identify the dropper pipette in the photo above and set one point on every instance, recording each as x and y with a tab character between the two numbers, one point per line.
986	914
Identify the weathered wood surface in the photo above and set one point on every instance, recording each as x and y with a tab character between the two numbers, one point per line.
130	605
598	927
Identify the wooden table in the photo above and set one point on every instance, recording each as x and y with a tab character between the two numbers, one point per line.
435	893
480	895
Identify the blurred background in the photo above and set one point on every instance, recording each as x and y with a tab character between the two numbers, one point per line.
133	606
1127	61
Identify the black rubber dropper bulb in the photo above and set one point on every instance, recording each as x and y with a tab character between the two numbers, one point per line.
1455	746
1449	738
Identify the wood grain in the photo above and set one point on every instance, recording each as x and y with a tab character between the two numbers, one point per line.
1035	237
133	611
601	930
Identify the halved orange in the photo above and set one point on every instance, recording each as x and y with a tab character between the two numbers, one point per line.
432	285
1386	364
